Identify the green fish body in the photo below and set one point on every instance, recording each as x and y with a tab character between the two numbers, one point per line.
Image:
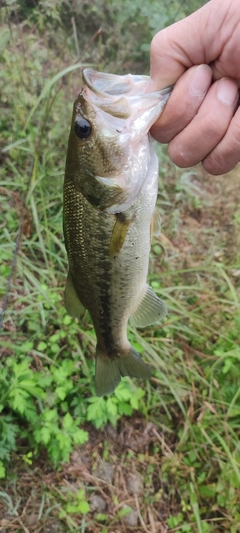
110	192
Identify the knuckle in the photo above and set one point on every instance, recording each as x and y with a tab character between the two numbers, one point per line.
226	154
157	42
236	133
221	160
213	128
214	162
213	166
178	155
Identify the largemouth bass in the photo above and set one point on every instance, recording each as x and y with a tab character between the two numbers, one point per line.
110	192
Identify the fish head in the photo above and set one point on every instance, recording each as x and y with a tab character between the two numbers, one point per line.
112	116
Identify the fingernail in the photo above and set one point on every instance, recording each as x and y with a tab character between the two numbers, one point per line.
201	81
227	92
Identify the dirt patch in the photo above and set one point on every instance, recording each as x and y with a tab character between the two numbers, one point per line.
117	469
202	218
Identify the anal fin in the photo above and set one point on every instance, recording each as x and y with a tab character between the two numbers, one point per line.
73	305
150	310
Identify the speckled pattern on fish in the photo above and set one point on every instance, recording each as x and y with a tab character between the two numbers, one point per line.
110	192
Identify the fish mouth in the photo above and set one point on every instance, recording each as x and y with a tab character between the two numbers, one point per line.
122	96
113	84
105	84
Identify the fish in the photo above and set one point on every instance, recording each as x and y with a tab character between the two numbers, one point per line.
109	217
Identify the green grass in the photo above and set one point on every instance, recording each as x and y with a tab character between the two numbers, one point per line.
190	411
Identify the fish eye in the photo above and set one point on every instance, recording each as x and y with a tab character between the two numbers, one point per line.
83	128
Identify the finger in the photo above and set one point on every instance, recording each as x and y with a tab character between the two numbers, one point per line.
165	68
208	127
191	41
226	155
182	106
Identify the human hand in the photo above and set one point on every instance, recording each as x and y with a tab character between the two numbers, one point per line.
200	55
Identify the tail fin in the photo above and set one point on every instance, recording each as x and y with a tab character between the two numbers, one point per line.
110	370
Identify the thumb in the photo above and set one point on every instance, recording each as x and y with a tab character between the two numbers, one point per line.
191	41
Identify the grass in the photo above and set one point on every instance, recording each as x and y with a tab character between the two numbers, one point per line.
179	432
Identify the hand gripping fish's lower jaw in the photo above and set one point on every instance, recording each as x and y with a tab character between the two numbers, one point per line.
110	370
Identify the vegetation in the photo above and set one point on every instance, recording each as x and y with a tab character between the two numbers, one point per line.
180	433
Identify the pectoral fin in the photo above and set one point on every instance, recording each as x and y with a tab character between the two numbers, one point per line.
119	233
150	310
108	181
155	228
72	303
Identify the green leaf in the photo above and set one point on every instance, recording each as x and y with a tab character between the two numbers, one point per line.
61	393
111	407
41	346
80	436
2	470
125	409
27	346
72	508
67	421
45	435
206	490
18	400
83	507
122	392
31	388
50	415
101	517
96	411
124	511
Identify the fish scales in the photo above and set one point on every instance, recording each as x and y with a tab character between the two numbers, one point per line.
110	193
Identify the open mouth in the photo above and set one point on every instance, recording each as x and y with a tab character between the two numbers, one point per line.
113	84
